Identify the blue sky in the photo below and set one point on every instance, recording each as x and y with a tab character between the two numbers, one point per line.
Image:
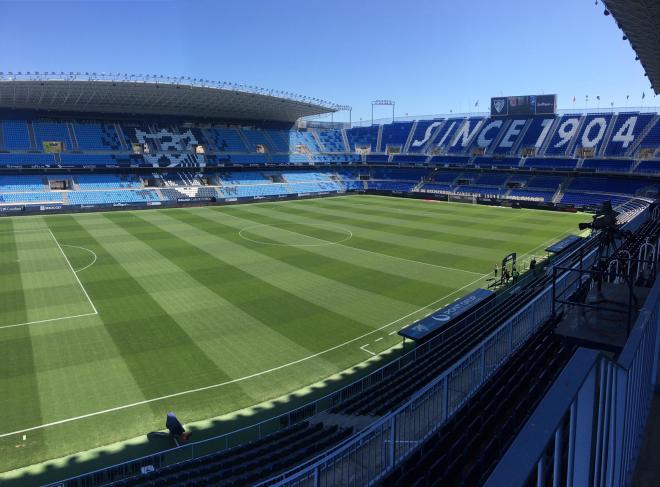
430	56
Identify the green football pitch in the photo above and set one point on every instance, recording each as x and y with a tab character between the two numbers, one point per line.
109	320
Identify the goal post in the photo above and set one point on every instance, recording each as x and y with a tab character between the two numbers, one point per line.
462	198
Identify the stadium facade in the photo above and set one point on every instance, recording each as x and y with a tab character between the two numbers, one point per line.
94	145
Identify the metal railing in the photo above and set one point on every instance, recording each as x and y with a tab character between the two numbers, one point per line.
372	453
588	430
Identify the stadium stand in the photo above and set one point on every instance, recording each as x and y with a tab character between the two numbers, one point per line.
99	166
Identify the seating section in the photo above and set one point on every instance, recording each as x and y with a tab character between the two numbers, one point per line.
249	463
178	185
435	156
332	140
423	134
110	197
606	185
41	197
226	139
608	165
395	135
22	183
626	129
537	162
96	136
26	160
363	137
467	447
591	199
15	135
106	181
51	132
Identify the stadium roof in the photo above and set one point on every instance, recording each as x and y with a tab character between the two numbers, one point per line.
153	95
639	20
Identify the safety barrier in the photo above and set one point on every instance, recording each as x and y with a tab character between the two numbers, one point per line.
589	428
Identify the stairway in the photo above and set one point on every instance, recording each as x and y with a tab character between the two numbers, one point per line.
516	145
33	138
72	136
570	149
635	164
635	145
553	128
406	146
379	139
244	139
418	186
426	148
318	140
347	146
556	198
122	137
495	142
607	136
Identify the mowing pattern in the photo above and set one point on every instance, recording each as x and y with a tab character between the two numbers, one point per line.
108	321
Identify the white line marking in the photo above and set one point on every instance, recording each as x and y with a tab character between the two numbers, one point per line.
87	250
378	339
365	350
24	230
340	242
247	377
240	379
74	272
48	320
348	233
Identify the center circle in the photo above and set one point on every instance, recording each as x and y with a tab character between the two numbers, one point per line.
251	234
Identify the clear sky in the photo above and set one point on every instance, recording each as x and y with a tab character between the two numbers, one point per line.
430	56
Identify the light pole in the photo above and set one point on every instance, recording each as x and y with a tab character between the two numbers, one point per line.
350	113
381	103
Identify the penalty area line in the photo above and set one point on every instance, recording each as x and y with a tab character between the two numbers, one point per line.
48	320
75	274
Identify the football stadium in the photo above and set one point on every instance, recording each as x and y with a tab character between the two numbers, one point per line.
207	283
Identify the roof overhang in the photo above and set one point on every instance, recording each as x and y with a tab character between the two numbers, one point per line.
170	97
640	20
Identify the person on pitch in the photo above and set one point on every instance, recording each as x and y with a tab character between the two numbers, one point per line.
176	429
495	271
